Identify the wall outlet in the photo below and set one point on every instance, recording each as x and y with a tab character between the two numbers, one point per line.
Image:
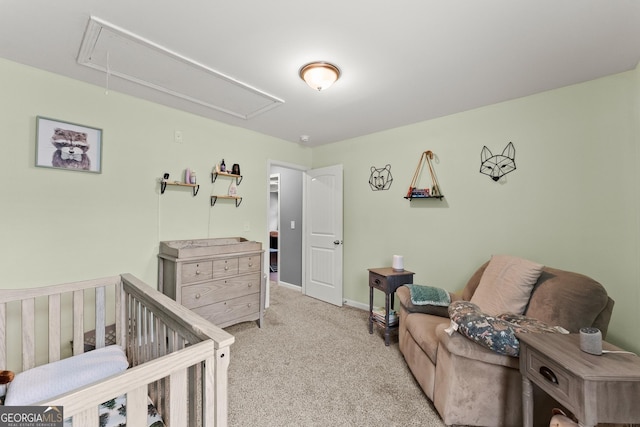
177	137
293	225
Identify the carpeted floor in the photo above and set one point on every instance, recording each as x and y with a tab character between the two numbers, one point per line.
314	364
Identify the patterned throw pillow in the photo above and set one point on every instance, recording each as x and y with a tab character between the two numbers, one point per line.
497	333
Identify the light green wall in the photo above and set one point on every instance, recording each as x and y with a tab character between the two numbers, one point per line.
59	226
572	202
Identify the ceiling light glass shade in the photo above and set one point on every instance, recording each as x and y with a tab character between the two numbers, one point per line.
319	75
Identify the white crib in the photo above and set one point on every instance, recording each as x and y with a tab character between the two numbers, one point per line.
176	358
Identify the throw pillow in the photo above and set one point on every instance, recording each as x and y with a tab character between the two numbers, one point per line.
497	333
56	378
506	285
429	295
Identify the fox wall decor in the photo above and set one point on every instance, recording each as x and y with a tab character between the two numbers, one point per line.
380	178
498	165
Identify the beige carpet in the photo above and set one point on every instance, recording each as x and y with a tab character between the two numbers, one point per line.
314	364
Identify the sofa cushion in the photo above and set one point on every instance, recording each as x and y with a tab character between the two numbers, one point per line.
462	346
506	285
569	299
422	328
497	333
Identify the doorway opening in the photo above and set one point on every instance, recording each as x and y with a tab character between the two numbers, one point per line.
285	225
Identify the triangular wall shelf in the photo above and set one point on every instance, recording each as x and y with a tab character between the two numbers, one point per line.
433	192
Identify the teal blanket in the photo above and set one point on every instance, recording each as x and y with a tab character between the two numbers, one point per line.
429	295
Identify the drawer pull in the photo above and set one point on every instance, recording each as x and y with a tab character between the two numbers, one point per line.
377	281
249	305
226	267
249	284
250	264
197	272
548	374
197	296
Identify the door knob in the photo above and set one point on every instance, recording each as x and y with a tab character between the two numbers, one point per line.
337	242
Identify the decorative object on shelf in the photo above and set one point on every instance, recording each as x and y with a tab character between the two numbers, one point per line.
233	188
497	166
380	178
218	171
64	145
424	193
192	177
235	169
223	167
187	176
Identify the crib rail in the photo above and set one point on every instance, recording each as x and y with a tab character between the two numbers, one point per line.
176	357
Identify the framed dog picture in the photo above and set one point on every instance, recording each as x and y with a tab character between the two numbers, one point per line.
64	145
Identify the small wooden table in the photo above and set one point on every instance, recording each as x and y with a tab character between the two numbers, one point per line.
386	280
596	389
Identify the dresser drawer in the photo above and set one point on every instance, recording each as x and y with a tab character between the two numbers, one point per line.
222	313
249	264
549	375
196	271
225	267
377	281
216	291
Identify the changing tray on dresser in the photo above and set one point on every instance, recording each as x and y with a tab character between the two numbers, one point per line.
220	279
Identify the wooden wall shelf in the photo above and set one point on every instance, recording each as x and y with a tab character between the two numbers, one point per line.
163	186
238	199
424	197
214	176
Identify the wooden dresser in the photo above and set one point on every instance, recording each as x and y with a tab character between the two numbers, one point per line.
220	279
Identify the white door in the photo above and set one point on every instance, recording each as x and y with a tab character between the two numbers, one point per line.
323	234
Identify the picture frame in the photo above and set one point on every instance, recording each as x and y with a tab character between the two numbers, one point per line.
68	146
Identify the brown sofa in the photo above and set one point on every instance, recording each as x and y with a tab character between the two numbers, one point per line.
472	385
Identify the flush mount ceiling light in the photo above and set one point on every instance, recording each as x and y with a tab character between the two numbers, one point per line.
319	75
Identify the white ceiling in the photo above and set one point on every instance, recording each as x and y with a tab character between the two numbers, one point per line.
402	61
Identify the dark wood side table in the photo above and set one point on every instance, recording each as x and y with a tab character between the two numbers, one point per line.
596	389
386	280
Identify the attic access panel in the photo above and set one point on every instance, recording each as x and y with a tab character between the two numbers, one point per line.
118	52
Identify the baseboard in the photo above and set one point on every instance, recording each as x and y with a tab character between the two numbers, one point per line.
290	286
356	304
350	303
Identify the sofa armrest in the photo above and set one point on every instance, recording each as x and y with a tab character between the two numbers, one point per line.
404	295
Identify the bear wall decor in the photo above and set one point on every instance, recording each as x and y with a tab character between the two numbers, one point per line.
380	178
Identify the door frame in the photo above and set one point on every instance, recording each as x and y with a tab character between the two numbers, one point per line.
270	163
